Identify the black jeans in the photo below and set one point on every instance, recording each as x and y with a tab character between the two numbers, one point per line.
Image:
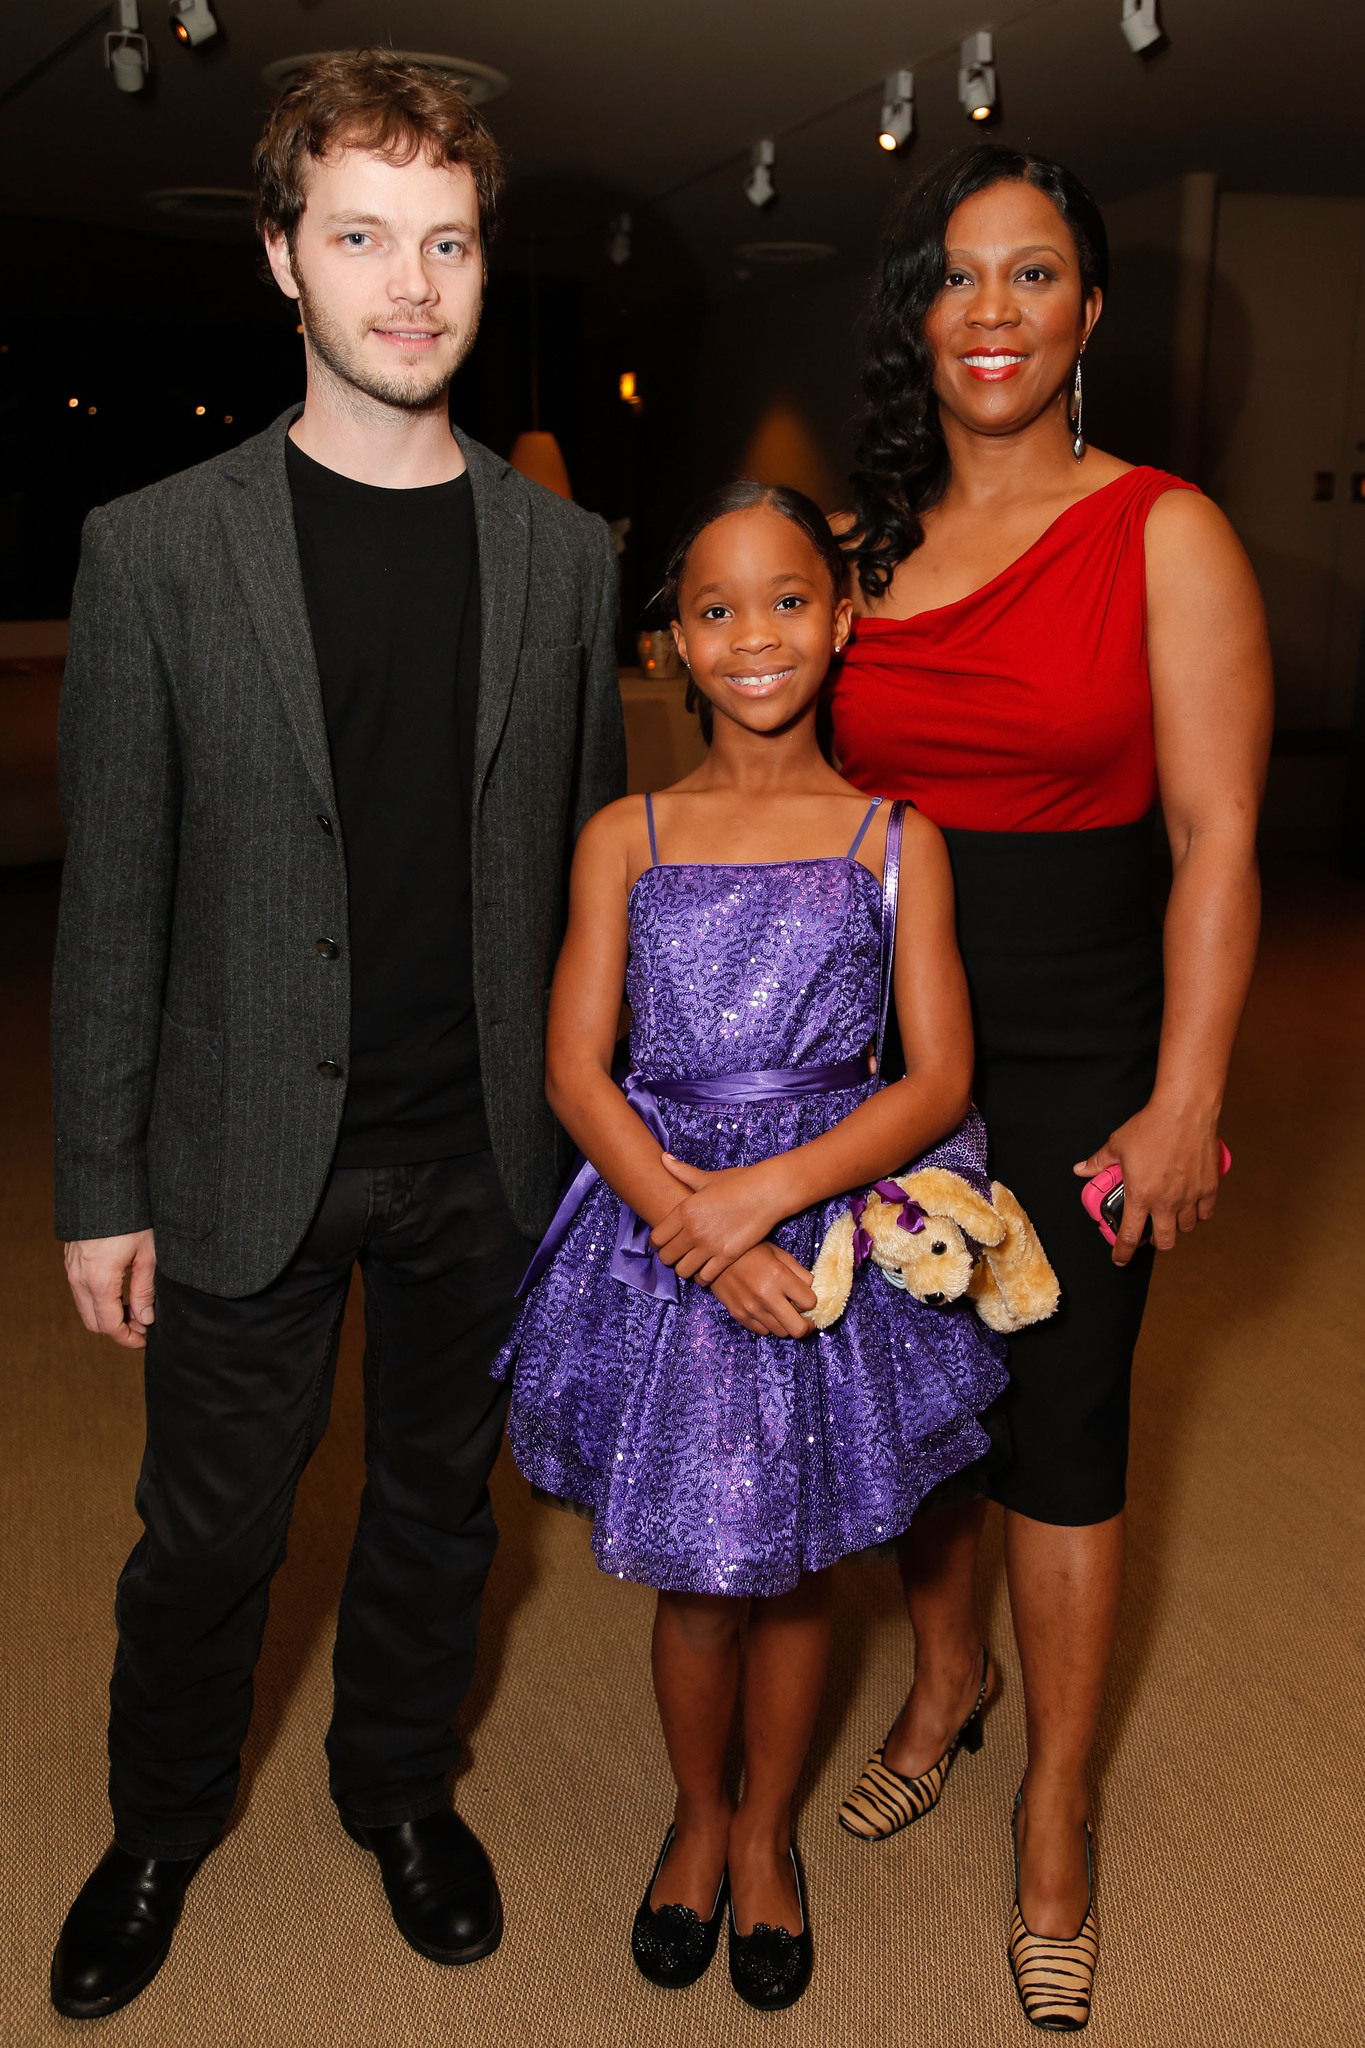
238	1395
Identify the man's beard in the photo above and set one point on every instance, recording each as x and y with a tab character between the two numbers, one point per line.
342	355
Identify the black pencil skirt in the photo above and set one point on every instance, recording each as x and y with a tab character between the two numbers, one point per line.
1063	956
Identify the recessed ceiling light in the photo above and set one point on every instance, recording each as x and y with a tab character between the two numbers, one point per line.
204	202
478	82
785	252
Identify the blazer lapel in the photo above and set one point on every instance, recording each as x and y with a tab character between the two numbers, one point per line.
258	520
502	520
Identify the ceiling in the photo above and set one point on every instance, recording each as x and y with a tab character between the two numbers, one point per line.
654	107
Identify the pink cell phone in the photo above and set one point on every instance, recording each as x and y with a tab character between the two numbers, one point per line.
1102	1198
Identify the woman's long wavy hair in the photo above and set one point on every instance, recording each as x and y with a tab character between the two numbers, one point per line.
901	465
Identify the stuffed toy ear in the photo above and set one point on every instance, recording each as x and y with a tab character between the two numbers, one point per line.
832	1274
1014	1285
941	1193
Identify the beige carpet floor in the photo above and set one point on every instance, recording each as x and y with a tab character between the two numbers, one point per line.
1231	1809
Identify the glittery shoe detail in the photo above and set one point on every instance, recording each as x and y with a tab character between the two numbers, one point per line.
883	1802
1055	1979
672	1945
771	1968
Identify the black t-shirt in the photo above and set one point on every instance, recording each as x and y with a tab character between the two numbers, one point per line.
391	580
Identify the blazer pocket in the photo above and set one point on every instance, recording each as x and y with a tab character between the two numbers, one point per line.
183	1136
557	660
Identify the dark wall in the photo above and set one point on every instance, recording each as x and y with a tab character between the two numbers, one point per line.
145	330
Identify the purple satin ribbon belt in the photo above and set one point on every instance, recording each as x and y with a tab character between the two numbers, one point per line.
634	1260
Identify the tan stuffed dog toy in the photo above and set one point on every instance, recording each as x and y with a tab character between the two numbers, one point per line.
934	1234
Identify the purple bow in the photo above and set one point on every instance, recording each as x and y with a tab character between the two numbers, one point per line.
634	1260
912	1217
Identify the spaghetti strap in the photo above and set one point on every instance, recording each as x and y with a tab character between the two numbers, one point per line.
654	860
871	813
890	894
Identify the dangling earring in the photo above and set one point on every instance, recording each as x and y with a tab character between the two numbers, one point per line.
1078	444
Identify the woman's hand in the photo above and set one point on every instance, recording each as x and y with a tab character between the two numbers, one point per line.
1169	1160
725	1215
765	1290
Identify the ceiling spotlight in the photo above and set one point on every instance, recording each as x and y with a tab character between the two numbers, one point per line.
192	22
1140	25
976	74
618	241
125	51
898	110
759	188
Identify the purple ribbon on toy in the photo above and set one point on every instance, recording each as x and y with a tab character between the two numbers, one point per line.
912	1216
634	1260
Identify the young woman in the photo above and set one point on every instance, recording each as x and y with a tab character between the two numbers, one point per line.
666	1375
1049	643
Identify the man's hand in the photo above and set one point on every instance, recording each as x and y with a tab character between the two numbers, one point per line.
95	1267
726	1214
765	1290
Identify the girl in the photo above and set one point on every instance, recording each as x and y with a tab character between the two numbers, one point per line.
666	1375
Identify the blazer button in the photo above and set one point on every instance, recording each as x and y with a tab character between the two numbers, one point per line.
327	947
329	1070
325	823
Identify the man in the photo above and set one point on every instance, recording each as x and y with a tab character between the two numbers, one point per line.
335	709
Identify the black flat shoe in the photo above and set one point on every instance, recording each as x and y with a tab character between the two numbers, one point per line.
672	1945
770	1968
118	1932
440	1885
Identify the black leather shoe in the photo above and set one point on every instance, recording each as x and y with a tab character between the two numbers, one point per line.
770	1968
672	1945
118	1932
440	1884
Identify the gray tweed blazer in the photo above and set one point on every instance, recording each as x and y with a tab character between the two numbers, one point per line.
191	1007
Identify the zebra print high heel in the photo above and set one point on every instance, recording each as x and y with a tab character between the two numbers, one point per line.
883	1802
1055	1979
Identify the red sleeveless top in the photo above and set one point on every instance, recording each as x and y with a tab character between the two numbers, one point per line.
1026	706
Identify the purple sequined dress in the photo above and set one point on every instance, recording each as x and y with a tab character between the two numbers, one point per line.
711	1459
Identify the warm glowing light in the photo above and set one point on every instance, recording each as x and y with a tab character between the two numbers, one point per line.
180	32
90	408
299	328
198	412
981	113
887	140
537	454
227	419
627	385
73	403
